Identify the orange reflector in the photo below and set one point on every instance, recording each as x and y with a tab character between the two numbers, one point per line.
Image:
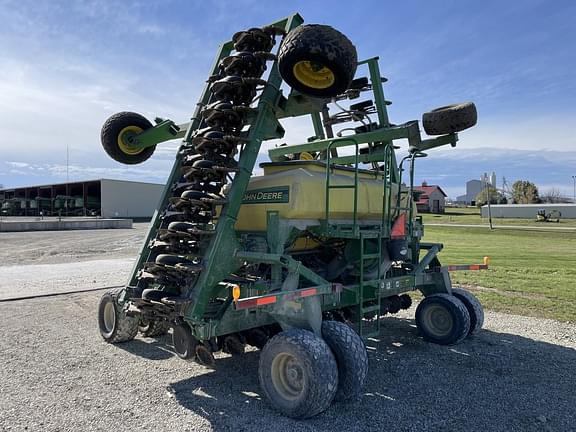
235	292
399	227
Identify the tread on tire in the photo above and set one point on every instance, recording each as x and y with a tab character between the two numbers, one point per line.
442	319
450	119
475	309
121	328
310	364
351	358
319	48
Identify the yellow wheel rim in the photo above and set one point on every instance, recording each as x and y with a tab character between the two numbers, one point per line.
306	156
122	143
313	75
288	376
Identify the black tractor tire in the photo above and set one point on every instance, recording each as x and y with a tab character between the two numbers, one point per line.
184	342
298	373
153	328
351	358
475	309
257	337
325	55
233	345
450	118
118	150
405	301
115	326
442	319
394	305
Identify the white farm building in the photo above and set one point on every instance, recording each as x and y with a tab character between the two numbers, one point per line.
103	197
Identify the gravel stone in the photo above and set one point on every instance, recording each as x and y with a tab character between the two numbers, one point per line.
59	375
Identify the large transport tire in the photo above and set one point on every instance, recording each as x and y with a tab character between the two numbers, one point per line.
450	118
475	309
114	133
442	319
317	60
153	328
115	326
351	358
298	373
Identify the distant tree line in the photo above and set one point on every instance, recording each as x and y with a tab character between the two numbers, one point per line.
523	192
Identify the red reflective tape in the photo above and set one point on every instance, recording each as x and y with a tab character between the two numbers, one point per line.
265	300
308	292
245	304
467	267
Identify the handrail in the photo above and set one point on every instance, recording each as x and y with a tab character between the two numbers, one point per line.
354	186
387	193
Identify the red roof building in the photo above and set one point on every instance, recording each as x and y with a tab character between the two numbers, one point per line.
431	198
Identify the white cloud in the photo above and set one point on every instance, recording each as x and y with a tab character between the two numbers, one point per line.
58	85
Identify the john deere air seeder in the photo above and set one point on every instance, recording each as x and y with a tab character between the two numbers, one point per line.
303	260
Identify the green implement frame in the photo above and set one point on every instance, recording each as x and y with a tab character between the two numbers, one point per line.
297	296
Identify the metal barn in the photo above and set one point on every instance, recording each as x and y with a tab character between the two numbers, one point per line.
103	197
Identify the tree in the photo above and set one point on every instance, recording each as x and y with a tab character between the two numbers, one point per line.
525	192
553	196
495	197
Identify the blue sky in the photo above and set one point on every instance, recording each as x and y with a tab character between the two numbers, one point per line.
65	66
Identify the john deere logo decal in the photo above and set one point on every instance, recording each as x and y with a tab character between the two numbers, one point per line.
279	194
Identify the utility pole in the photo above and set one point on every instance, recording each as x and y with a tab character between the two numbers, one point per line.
67	180
574	196
67	163
488	199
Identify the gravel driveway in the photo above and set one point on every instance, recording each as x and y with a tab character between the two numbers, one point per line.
58	375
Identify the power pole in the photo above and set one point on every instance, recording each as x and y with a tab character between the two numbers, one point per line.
574	196
67	163
488	199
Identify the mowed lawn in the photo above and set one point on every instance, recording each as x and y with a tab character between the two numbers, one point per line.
531	273
471	216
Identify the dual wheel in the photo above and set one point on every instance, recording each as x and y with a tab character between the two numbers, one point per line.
117	326
448	319
301	373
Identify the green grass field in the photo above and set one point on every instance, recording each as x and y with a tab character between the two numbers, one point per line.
471	216
531	273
